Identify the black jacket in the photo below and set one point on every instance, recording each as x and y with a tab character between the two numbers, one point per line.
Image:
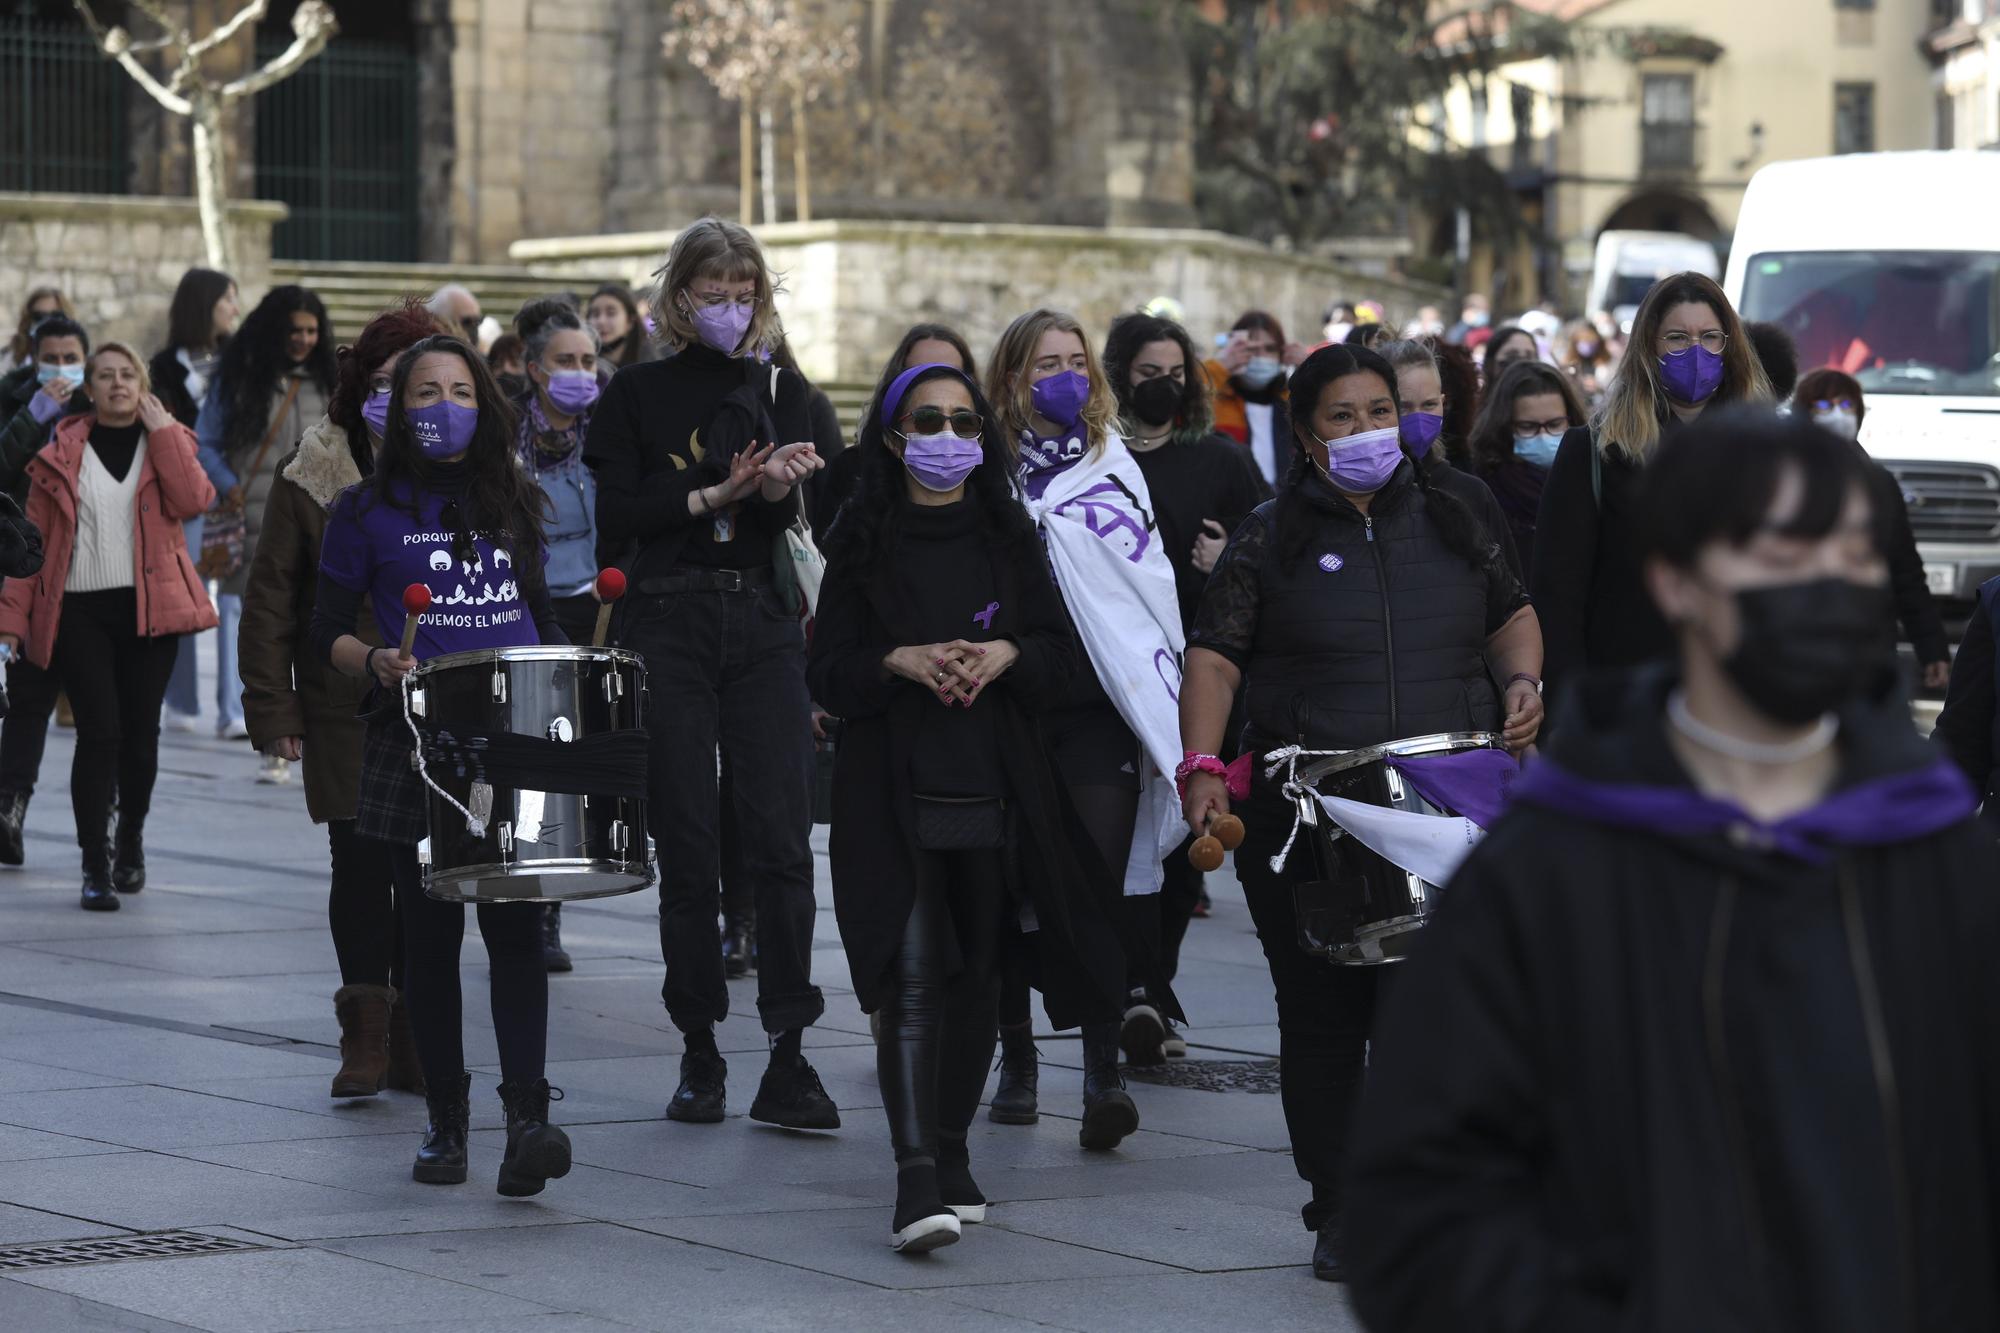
1658	1082
1376	630
21	436
1476	495
1922	625
1051	864
1967	726
1589	593
169	378
1193	478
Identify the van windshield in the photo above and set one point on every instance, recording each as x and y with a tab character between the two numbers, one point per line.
1916	322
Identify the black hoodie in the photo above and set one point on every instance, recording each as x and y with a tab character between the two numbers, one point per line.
1645	1081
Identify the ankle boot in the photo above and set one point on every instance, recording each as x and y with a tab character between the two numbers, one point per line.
441	1158
537	1152
960	1192
922	1221
1108	1112
405	1074
98	895
128	866
1014	1100
554	957
13	815
363	1012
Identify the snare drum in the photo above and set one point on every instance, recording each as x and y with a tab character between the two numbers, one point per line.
1354	906
536	845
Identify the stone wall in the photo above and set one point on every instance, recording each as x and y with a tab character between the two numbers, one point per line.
852	288
119	257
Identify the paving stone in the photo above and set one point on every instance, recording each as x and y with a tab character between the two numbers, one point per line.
1279	1299
146	1054
238	953
147	1191
26	1307
29	1226
154	1117
23	1145
21	1076
1185	1230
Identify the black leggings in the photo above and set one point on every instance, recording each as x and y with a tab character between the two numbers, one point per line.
1108	815
1161	919
31	696
938	1029
519	985
117	680
361	908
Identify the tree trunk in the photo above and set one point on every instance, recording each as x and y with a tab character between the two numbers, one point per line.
767	148
747	151
212	182
800	175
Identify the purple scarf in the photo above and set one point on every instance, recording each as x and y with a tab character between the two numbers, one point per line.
1043	460
1878	813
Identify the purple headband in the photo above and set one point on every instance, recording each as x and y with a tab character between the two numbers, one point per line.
893	398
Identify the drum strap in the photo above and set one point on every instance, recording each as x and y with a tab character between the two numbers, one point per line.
1285	759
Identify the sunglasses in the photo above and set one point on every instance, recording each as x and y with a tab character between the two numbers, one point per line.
1833	405
964	423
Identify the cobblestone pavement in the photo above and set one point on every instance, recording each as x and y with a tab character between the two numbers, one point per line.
165	1068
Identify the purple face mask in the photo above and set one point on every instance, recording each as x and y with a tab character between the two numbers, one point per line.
1060	397
941	463
375	411
1362	464
443	429
1692	376
722	326
1420	431
572	390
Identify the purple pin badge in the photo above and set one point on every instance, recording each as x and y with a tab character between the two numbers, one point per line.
1331	563
985	618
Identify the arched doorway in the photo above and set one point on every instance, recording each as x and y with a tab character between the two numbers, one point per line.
1666	210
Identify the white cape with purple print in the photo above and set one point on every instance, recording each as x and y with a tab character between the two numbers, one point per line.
1097	523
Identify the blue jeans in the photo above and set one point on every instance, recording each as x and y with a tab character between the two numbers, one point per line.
183	690
729	669
228	685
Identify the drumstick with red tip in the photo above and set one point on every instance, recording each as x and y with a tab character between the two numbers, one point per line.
610	587
416	601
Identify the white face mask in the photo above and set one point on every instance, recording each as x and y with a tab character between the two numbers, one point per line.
1842	423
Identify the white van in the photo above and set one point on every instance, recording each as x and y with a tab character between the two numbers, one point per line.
1630	262
1887	266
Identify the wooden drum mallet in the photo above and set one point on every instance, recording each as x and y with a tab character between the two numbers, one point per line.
1225	834
416	601
610	587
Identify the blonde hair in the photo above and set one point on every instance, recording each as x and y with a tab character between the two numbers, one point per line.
119	349
1009	386
726	252
1627	424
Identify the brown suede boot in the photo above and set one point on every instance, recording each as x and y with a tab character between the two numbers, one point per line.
405	1073
364	1040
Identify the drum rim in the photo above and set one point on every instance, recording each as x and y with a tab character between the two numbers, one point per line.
570	866
530	652
1440	742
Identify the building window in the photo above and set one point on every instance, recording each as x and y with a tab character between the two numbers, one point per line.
1666	116
1853	117
1854	4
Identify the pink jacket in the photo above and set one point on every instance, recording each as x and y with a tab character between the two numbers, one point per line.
172	489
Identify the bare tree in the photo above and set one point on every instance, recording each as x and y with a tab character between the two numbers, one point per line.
205	100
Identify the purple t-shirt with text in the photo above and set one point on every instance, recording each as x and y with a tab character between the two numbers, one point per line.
378	549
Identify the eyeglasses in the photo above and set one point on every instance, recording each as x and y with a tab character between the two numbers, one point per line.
713	299
964	423
1677	342
1833	405
1528	430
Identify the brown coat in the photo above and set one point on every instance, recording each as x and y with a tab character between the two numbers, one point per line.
172	489
287	689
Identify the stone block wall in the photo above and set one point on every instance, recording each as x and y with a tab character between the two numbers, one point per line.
852	288
119	257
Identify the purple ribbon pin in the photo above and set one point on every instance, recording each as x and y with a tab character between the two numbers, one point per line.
985	618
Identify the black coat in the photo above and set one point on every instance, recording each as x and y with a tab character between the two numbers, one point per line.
1915	607
169	378
1581	1115
1051	865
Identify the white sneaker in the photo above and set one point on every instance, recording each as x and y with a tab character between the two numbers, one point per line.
185	723
926	1234
233	730
1175	1046
275	770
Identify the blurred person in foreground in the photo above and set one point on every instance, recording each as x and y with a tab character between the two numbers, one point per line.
1702	1034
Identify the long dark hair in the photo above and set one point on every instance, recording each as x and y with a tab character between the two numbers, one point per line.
1128	334
636	345
253	363
871	429
499	500
1503	335
191	318
870	521
1492	441
1458	527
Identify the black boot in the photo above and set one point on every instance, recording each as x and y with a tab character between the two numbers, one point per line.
128	866
98	894
13	815
699	1098
738	953
1014	1100
1144	1035
441	1158
922	1221
792	1096
554	956
1328	1263
537	1152
960	1192
1108	1112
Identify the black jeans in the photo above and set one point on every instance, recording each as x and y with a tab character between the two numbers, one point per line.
939	1026
1108	814
1161	919
433	932
31	694
1325	1014
117	680
729	669
361	909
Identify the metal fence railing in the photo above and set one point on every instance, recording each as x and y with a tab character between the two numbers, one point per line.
63	109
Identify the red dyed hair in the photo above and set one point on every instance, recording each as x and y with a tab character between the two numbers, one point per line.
388	333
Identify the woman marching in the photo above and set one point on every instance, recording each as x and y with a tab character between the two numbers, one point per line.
697	459
117	591
1522	421
446	495
1111	725
1365	604
1424	407
938	634
921	345
302	710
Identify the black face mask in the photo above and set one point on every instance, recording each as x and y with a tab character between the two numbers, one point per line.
514	386
1806	648
1157	401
